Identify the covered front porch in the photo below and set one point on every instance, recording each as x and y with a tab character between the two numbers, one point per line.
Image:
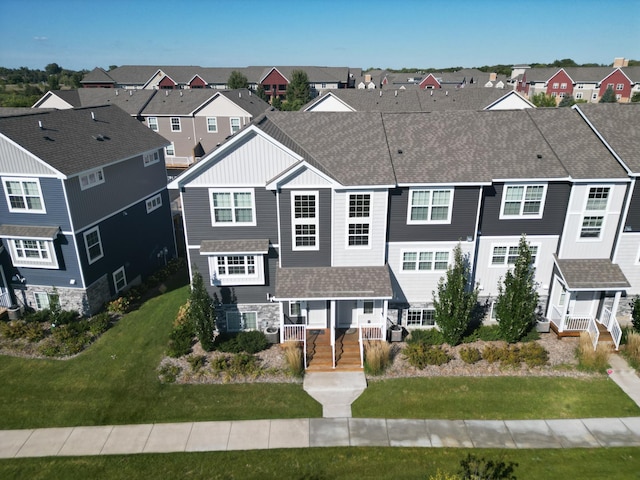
332	312
585	295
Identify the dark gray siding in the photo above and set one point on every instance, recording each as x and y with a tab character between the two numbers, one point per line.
243	294
633	218
551	223
463	218
54	203
133	240
125	183
197	211
315	258
68	267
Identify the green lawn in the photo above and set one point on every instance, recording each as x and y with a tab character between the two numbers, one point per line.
330	463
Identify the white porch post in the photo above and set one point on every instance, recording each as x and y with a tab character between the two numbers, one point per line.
616	303
385	309
281	322
333	333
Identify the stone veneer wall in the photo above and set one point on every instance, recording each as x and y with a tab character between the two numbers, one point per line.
70	298
268	313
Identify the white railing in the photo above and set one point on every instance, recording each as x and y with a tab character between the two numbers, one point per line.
5	299
594	333
611	323
574	322
296	333
333	348
369	331
178	161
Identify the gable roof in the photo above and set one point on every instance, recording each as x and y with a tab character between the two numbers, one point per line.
131	101
72	142
97	75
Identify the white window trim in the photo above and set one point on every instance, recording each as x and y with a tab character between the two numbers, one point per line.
430	206
231	124
586	199
256	278
522	202
150	158
172	125
50	264
233	222
22	180
422	318
506	263
243	327
358	221
418	251
303	310
170	151
215	122
637	262
97	174
153	124
38	304
592	213
305	221
115	281
620	86
153	203
86	246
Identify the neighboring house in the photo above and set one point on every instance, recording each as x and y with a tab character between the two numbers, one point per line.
348	220
85	209
583	83
355	100
274	79
464	78
194	121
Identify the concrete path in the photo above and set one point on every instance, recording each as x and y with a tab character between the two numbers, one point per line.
319	432
625	376
335	391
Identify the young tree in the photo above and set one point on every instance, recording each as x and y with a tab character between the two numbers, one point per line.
543	100
237	80
608	96
202	314
455	301
276	103
635	313
567	101
517	297
261	93
635	97
298	91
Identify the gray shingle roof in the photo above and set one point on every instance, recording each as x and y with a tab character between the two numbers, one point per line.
333	282
580	74
29	231
619	124
130	100
596	274
247	100
71	142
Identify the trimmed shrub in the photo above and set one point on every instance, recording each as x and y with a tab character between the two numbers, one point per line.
252	341
534	354
169	373
100	323
377	356
420	355
196	362
180	340
431	336
13	329
470	355
487	333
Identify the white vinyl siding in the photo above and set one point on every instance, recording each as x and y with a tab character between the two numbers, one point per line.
430	206
232	207
23	195
304	221
91	179
523	201
359	215
93	245
33	253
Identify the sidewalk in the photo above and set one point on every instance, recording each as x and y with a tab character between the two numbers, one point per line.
319	432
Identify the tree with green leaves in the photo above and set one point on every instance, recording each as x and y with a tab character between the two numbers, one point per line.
543	100
276	103
298	91
635	313
455	300
517	297
635	97
237	80
261	93
202	314
54	82
567	101
609	96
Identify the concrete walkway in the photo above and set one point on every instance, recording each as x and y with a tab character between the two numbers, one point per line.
335	391
319	432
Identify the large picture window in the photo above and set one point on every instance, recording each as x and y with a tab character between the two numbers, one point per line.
232	207
23	195
430	206
523	201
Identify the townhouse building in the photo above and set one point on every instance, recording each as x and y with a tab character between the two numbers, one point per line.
85	211
335	221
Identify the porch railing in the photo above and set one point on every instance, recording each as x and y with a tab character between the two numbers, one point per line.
296	333
369	331
5	299
611	323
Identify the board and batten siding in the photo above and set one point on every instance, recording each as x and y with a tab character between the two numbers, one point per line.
488	275
197	211
305	258
628	258
125	183
330	104
374	253
572	246
551	223
417	286
244	294
16	161
463	218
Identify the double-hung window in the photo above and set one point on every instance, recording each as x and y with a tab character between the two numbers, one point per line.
93	245
232	207
421	317
153	123
91	179
593	219
23	195
430	206
42	300
523	201
175	124
508	254
212	124
170	150
119	279
235	124
425	261
359	221
305	220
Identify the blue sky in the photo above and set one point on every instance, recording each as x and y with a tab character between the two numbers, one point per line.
83	34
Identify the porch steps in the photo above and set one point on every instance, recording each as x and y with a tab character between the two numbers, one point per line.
604	337
319	353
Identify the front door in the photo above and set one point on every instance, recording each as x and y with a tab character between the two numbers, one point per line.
347	313
318	314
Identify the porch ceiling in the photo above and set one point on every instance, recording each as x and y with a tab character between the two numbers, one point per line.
333	282
591	274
